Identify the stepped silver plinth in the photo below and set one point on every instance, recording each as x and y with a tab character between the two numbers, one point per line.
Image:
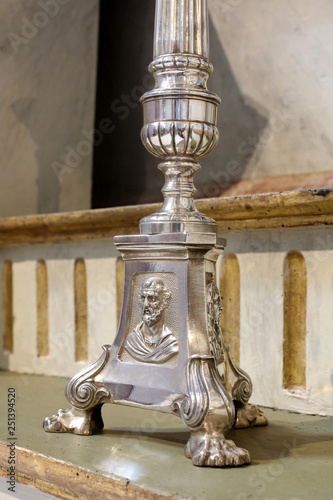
169	354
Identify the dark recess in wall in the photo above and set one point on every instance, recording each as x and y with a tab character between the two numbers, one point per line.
124	173
125	51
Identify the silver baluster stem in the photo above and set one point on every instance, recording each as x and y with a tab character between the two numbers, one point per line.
180	112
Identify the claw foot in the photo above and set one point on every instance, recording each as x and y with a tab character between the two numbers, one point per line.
215	452
249	416
76	421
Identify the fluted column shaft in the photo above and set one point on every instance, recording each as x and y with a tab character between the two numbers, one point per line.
180	112
181	26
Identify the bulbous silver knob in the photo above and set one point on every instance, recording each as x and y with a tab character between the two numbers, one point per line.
180	113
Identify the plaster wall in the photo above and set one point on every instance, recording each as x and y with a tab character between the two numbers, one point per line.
48	57
278	54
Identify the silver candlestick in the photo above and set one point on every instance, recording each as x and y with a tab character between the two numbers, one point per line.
180	113
169	344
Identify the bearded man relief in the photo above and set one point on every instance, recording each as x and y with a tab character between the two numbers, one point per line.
152	341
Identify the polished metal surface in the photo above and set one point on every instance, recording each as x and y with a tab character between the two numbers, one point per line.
208	410
214	309
180	113
151	341
169	353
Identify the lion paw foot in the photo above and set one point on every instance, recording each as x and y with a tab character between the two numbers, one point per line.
249	416
74	421
216	452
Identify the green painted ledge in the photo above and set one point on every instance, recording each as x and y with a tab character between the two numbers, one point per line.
139	455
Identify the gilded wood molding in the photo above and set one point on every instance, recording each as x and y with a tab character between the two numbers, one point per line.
275	210
274	184
230	317
294	331
81	310
42	309
7	306
70	482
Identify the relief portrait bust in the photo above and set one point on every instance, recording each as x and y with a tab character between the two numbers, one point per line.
152	341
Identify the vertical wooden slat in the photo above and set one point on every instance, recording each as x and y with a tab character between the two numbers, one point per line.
230	295
294	333
42	309
7	305
81	311
120	285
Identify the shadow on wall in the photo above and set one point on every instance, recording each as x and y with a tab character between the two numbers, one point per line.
26	110
240	124
124	172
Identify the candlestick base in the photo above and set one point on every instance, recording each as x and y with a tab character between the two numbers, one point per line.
167	348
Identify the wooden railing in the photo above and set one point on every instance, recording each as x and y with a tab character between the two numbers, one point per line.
62	288
289	209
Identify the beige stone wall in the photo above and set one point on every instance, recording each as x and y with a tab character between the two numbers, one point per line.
280	56
48	56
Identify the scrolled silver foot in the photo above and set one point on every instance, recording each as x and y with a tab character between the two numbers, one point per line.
209	412
247	415
86	398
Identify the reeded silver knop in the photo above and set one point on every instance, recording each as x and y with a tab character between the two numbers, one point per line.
180	113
